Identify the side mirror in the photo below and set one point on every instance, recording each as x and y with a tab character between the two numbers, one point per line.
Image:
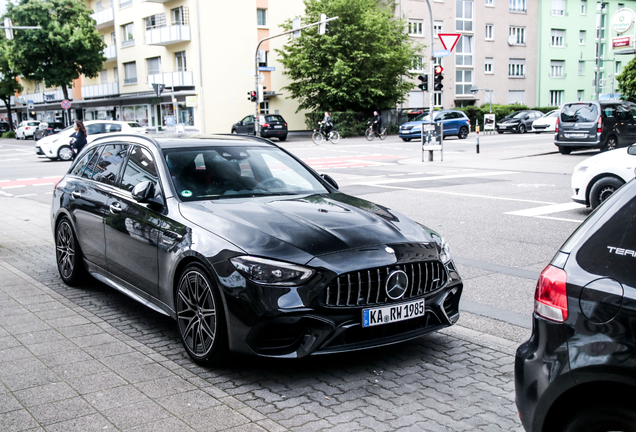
240	123
145	192
631	150
526	117
329	180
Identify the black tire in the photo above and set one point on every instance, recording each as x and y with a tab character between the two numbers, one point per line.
537	133
383	134
565	150
200	316
317	137
406	139
500	132
234	131
282	138
334	137
602	189
68	254
521	129
602	419
369	134
65	153
611	144
463	132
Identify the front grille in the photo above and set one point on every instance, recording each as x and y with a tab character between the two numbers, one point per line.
367	287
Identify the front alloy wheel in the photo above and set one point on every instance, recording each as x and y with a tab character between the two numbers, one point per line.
200	317
68	254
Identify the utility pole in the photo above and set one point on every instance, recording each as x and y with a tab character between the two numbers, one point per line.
599	7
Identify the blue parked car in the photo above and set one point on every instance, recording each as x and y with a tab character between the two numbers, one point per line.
455	123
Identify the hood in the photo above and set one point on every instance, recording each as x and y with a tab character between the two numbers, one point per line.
510	120
302	227
614	158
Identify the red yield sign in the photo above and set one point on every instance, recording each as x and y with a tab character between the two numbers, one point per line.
449	40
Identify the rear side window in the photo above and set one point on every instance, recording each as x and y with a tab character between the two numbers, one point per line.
112	127
78	168
574	113
140	167
109	163
94	129
611	251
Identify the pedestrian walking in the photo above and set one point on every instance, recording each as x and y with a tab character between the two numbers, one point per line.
78	139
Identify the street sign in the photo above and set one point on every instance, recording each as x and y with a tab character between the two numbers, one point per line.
30	104
295	25
621	42
266	68
441	53
66	104
449	40
622	20
169	120
261	78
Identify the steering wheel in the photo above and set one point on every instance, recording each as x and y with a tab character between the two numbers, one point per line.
270	182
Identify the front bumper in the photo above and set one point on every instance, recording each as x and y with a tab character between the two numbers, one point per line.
294	322
266	133
410	133
38	150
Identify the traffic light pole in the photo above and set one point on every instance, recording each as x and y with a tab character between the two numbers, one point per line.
258	102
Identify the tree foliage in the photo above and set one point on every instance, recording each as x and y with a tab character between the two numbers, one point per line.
627	81
9	85
67	45
359	65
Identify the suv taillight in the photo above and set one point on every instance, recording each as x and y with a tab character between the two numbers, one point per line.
599	124
550	297
265	125
556	126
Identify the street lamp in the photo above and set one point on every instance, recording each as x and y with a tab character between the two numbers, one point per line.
474	89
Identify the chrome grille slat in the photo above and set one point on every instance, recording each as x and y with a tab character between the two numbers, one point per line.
370	290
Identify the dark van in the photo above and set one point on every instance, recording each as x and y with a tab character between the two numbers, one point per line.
603	125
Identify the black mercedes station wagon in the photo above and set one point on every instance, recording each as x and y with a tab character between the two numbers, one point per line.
577	373
248	249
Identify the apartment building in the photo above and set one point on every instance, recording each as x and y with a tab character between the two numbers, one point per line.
571	33
497	50
202	51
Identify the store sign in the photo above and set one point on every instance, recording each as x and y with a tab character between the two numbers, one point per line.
191	101
622	20
621	42
155	100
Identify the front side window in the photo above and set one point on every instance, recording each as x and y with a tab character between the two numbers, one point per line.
464	15
140	167
78	168
236	172
416	27
109	163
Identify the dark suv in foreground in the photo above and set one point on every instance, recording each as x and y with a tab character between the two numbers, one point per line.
603	125
577	372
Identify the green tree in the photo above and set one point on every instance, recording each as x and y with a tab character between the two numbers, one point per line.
359	65
627	81
67	45
9	85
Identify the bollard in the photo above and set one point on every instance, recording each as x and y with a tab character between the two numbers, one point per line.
477	129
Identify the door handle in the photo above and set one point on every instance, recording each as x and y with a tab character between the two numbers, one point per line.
115	208
76	194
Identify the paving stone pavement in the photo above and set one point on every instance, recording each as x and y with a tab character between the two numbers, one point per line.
90	359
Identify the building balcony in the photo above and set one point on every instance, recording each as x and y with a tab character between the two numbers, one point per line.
110	53
168	35
172	79
41	97
104	18
100	90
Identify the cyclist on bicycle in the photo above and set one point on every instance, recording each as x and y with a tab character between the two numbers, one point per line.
376	123
326	121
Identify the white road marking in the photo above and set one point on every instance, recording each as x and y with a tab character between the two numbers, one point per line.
8	160
442	177
30	178
26	195
544	210
5	194
559	219
42	184
12	187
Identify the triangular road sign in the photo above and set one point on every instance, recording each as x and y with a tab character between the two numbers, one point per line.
449	40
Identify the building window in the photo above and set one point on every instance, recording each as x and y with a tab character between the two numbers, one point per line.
557	38
558	7
416	27
437	99
579	95
517	5
130	73
464	15
128	35
179	15
113	38
437	27
180	61
261	17
464	51
124	3
618	68
581	67
556	97
488	65
154	65
490	31
600	27
264	107
519	34
417	64
103	76
154	21
517	68
556	68
582	37
583	7
490	3
99	6
463	81
437	61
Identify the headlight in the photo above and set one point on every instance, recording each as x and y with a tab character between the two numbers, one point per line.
444	253
268	272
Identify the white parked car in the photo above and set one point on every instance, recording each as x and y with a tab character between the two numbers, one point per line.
58	147
546	123
26	129
596	178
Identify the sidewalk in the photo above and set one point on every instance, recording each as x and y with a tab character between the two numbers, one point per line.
72	361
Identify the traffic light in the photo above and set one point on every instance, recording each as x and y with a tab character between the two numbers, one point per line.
252	96
424	82
322	28
438	78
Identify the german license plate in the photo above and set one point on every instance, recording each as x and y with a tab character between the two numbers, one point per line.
576	135
278	127
391	314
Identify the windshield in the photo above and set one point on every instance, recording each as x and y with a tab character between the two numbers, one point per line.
423	117
233	172
515	115
573	113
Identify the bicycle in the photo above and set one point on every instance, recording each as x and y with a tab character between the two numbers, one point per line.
319	136
372	132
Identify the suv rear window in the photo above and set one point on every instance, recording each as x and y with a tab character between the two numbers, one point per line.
574	113
273	118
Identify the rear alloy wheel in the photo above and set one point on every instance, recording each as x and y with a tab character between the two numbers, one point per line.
602	189
463	132
65	153
521	129
612	144
602	419
68	254
565	150
200	316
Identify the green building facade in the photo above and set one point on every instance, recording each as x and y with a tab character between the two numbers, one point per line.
568	38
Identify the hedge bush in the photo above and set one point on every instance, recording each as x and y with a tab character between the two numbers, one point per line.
347	123
8	134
